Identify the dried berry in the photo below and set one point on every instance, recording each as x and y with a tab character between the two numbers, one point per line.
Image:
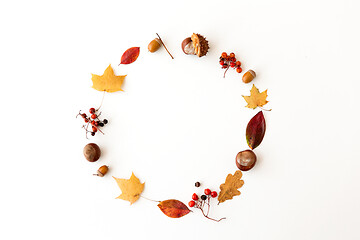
197	184
92	152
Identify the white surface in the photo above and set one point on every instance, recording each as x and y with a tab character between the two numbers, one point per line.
179	121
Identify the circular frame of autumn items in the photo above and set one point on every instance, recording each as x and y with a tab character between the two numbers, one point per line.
132	188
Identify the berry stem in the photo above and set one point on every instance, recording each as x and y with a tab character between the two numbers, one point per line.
164	46
210	217
226	71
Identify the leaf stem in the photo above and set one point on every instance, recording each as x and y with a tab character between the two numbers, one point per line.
102	100
164	46
149	199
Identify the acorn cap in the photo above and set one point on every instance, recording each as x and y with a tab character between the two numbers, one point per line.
200	44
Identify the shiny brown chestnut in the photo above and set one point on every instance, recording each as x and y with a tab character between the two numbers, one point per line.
245	160
92	152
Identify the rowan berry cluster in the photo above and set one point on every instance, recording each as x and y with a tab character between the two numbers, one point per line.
93	121
227	61
203	202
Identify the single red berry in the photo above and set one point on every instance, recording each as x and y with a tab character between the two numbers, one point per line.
238	63
93	122
94	129
97	123
93	116
191	203
225	65
221	62
224	55
232	55
239	69
232	64
86	120
83	115
234	59
92	110
195	197
207	191
213	194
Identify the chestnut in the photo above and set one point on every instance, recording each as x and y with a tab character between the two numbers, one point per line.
245	160
92	152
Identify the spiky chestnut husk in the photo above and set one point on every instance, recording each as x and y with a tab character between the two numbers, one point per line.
200	44
196	45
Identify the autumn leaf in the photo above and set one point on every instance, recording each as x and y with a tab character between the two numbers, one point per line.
256	99
130	188
173	208
228	190
255	130
130	55
108	82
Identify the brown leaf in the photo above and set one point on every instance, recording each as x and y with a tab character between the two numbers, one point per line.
256	99
228	190
130	188
173	208
130	55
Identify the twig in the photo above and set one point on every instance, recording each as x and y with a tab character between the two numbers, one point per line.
164	46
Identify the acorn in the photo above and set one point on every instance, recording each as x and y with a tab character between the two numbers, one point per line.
248	76
102	171
154	45
92	152
196	45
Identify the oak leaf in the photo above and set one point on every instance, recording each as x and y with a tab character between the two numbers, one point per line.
108	82
130	188
228	190
256	99
173	208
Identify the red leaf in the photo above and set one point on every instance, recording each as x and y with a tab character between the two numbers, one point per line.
130	55
173	208
255	130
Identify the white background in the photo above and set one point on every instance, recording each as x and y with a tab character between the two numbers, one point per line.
179	121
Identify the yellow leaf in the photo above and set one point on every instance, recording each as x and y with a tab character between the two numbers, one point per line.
108	82
228	190
256	99
130	188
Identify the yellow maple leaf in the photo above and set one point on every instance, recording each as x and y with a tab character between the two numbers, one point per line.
256	99
130	188
108	82
228	190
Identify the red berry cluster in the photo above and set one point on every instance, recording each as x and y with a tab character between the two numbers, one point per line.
203	201
227	61
93	121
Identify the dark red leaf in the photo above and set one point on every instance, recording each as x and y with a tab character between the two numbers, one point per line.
255	130
130	55
173	208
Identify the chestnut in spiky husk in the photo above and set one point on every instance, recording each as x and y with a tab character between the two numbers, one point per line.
196	44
